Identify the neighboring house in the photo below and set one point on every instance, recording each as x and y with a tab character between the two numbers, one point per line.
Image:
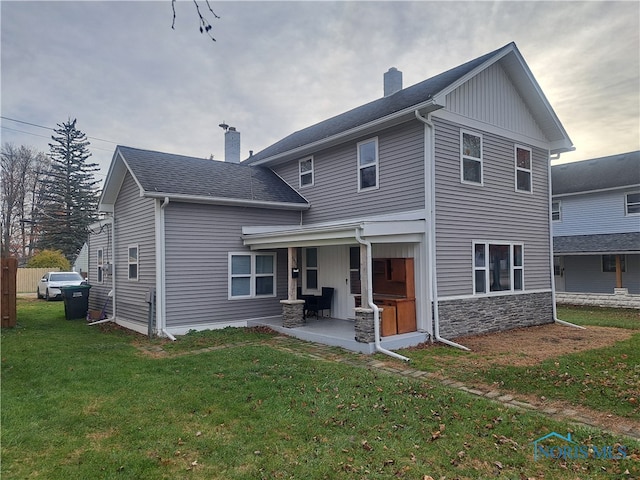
439	190
596	224
81	264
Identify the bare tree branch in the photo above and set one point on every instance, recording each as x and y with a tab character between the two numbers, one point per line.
205	25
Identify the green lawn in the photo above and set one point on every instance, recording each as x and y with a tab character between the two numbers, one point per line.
83	402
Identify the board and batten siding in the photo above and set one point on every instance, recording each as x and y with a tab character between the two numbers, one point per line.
335	196
99	238
595	213
493	211
198	239
134	219
491	98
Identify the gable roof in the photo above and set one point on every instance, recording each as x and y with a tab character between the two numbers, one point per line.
197	180
428	95
614	171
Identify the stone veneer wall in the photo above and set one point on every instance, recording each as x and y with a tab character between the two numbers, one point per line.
599	299
471	316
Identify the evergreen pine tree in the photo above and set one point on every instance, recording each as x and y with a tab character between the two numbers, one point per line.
71	196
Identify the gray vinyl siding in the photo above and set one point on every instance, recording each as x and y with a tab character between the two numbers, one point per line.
335	195
492	212
134	225
99	238
198	239
595	213
583	273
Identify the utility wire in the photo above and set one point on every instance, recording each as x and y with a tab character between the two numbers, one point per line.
48	128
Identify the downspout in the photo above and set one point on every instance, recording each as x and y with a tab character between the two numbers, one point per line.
113	267
373	306
431	211
160	279
553	278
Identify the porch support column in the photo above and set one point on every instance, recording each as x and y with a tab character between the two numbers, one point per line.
364	327
618	271
292	308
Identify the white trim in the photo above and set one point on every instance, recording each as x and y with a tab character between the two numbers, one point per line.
308	172
375	164
100	265
521	169
227	201
464	157
626	204
252	275
601	190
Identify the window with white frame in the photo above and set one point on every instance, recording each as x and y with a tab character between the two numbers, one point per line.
305	170
368	164
133	262
252	275
470	157
310	263
632	203
523	168
497	267
100	265
556	211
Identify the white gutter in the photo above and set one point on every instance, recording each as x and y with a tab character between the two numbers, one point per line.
226	201
373	306
431	216
552	267
161	317
113	268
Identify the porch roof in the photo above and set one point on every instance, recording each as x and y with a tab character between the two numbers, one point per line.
402	229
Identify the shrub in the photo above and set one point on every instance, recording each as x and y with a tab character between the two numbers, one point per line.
49	258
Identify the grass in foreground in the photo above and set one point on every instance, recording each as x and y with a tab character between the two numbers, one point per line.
604	379
78	403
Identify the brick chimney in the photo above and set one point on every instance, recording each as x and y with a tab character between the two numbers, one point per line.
392	81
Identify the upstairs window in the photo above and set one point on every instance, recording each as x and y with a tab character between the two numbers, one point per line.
470	158
556	211
632	203
368	165
100	265
498	267
132	262
305	169
523	169
252	275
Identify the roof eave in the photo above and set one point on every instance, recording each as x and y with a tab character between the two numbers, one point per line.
424	107
227	201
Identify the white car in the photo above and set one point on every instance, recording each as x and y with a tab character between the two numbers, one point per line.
49	285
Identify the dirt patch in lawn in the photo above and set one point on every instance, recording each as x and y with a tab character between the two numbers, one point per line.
532	345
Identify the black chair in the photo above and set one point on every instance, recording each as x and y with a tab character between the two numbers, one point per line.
318	304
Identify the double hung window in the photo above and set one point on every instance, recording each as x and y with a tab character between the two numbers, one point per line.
497	267
523	169
305	171
252	275
311	269
133	262
556	211
368	165
470	157
632	203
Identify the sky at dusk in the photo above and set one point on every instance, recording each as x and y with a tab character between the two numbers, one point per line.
278	67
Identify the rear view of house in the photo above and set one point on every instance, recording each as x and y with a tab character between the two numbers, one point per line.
422	214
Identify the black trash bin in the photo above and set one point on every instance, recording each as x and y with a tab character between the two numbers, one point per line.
76	301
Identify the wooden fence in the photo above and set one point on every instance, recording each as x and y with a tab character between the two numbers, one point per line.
8	314
27	278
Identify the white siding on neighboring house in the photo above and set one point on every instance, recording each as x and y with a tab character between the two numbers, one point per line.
334	194
595	213
134	225
492	212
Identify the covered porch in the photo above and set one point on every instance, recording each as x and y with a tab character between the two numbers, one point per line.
339	333
340	257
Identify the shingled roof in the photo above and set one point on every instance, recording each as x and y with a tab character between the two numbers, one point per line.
602	173
600	244
185	178
401	100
